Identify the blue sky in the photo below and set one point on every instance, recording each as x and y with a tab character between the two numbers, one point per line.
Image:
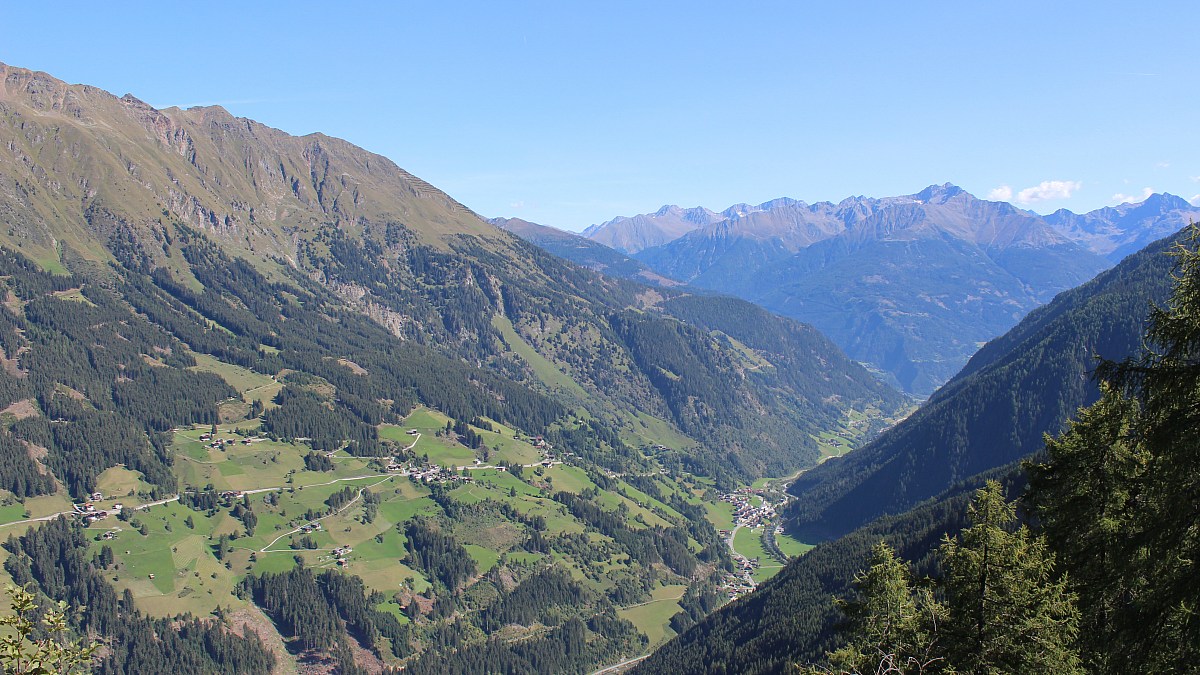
570	113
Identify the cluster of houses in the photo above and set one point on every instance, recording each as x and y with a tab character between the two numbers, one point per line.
742	580
218	443
90	513
738	584
429	474
314	526
745	513
340	554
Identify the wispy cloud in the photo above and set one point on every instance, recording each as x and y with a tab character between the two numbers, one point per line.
1195	201
1001	194
517	205
1047	190
1124	198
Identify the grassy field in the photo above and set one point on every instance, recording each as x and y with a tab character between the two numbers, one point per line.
568	478
119	481
748	542
653	617
242	379
720	514
649	430
545	371
186	575
12	513
790	546
832	445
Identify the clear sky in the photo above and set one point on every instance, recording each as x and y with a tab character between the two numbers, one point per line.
569	112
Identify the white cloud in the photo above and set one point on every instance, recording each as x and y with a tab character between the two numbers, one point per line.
1048	189
1122	198
1196	179
1195	201
1000	194
1163	165
517	205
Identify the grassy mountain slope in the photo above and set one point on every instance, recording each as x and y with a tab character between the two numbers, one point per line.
327	315
95	178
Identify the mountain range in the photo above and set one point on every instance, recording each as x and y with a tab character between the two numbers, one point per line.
911	285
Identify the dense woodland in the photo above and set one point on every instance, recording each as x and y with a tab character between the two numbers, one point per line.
321	611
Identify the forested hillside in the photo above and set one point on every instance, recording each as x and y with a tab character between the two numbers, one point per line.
1019	386
1100	580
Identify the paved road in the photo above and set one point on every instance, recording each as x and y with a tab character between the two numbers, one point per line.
616	668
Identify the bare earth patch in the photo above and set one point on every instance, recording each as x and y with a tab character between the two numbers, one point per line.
354	367
22	409
252	620
12	366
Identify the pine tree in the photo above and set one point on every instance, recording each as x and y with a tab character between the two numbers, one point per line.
892	628
1083	494
1007	612
1159	627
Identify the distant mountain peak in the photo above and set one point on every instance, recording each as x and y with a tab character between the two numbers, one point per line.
1165	201
939	194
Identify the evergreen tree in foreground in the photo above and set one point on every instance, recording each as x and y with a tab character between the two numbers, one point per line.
1138	542
1007	612
892	628
1004	610
1084	497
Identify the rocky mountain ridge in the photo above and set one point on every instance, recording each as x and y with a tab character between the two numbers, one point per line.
911	285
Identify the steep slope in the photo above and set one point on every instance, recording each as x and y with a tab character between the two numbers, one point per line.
85	166
911	285
1020	386
93	178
